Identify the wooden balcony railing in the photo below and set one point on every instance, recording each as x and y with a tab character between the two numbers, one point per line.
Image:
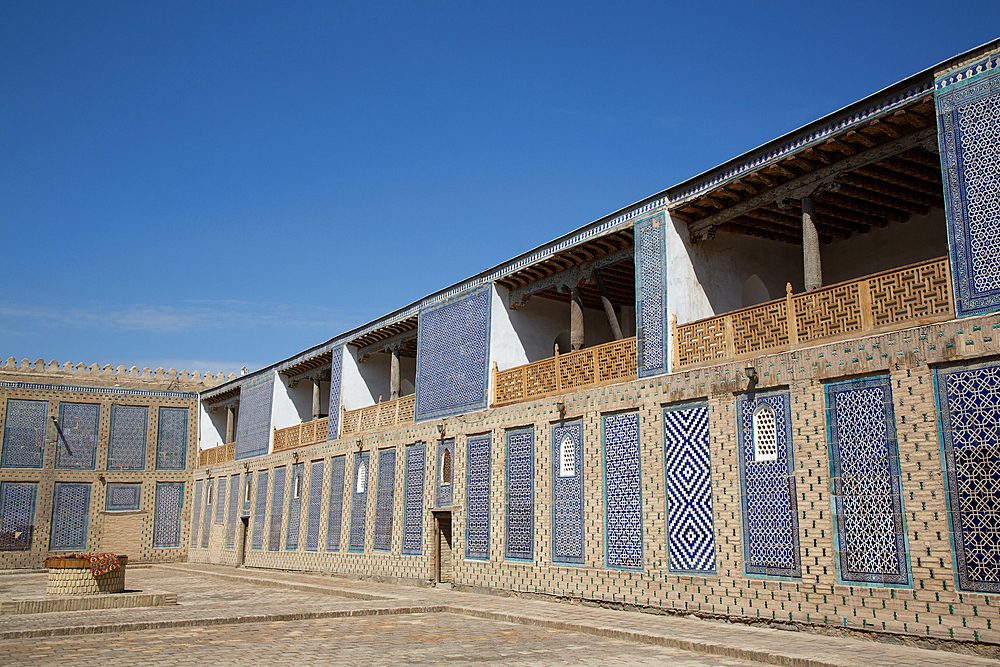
601	364
300	435
379	416
896	299
219	454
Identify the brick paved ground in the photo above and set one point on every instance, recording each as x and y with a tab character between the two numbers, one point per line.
228	616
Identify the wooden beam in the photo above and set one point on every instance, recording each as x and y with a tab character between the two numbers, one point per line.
837	217
911	169
874	210
889	176
882	200
896	191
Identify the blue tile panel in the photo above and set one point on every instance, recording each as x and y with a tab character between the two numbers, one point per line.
253	429
17	515
968	109
567	493
453	345
70	517
129	424
969	408
359	502
234	508
622	492
206	519
445	475
336	366
520	519
688	475
315	505
172	439
295	506
220	501
167	519
477	498
413	500
76	443
123	497
196	515
864	473
651	296
277	509
384	497
335	512
259	511
24	434
767	491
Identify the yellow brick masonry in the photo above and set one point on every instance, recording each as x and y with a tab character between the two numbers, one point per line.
932	607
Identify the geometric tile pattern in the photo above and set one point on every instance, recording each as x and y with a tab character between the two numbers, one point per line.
123	497
359	502
520	541
167	520
690	528
17	515
622	492
220	501
384	496
445	473
171	439
969	138
315	505
260	508
767	490
253	429
70	517
295	508
969	400
277	507
651	296
333	423
234	508
567	494
453	343
413	500
24	434
477	498
77	441
206	519
864	471
127	450
335	514
196	514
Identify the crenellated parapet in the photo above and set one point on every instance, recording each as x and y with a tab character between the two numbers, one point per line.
109	375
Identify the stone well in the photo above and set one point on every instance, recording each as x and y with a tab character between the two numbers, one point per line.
72	576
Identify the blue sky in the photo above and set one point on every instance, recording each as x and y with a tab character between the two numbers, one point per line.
212	185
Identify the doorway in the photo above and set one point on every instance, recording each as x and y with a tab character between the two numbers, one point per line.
241	555
443	557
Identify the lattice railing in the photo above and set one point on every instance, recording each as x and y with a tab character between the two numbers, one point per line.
218	454
382	415
915	294
602	364
300	435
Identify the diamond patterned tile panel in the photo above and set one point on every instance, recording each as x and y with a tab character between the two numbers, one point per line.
413	500
688	474
453	345
315	505
767	491
24	434
622	492
123	497
172	439
70	517
567	493
336	365
335	514
864	468
520	519
76	447
277	509
129	424
359	502
234	509
259	511
477	498
167	519
295	506
384	499
651	296
196	515
253	428
445	473
17	515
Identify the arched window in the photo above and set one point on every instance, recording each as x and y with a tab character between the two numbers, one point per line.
297	487
567	457
210	487
362	478
246	489
446	467
765	436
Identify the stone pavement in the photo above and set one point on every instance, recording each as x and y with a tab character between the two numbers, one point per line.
229	616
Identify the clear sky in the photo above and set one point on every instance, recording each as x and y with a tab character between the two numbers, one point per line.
212	185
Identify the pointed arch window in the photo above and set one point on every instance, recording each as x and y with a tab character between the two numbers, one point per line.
567	457
765	436
362	478
446	467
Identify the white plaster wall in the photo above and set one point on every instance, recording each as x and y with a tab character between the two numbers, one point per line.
324	398
302	399
283	410
211	427
362	384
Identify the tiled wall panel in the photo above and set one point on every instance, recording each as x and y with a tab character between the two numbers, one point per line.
120	497
567	493
477	498
234	509
260	511
253	429
196	514
445	475
17	515
220	501
622	492
413	500
336	365
688	475
315	505
651	296
277	507
167	519
359	502
79	425
520	506
295	507
24	433
172	439
70	517
384	499
129	426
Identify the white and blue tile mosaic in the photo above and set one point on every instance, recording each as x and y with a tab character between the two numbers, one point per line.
253	429
70	517
413	500
567	493
196	514
129	426
651	296
172	439
384	496
259	511
477	498
622	492
315	505
277	509
24	434
520	519
335	515
444	496
77	431
18	502
206	520
359	503
167	517
336	367
220	501
122	497
234	509
688	474
295	507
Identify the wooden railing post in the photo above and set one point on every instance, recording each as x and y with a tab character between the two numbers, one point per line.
790	320
558	366
865	304
675	353
730	338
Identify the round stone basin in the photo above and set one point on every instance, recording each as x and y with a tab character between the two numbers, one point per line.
72	576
